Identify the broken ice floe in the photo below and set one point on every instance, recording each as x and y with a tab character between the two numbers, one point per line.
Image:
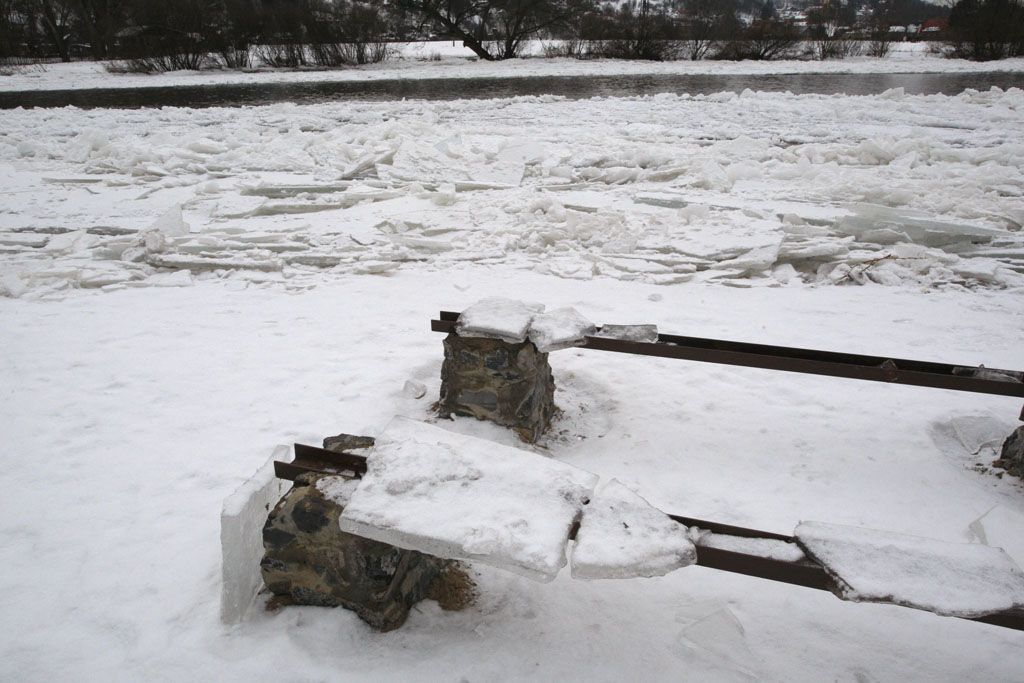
623	536
457	496
953	579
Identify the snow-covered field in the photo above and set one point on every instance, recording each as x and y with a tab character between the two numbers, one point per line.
308	246
443	59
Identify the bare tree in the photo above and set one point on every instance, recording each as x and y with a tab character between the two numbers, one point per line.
708	21
55	17
987	29
763	40
99	21
492	29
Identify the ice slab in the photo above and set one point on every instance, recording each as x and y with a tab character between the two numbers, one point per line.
241	536
623	536
953	579
770	548
634	333
498	318
886	225
461	497
561	328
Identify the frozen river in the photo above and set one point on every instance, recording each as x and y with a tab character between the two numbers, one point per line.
573	87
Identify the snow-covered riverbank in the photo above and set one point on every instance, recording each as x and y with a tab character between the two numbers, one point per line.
445	60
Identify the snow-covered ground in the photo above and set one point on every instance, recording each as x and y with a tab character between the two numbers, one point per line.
310	249
444	59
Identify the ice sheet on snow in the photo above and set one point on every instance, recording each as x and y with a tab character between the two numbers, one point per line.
561	328
458	496
1000	527
634	333
771	548
974	432
498	318
954	579
623	536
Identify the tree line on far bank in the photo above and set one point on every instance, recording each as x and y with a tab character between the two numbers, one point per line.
159	35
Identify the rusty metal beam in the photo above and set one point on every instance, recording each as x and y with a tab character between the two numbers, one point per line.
350	461
788	359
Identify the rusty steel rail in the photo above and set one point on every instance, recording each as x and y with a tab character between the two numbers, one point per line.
806	573
788	359
320	461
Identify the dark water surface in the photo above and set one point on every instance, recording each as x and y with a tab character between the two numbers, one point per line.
574	87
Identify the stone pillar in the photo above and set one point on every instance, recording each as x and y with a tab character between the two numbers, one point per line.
1012	456
508	384
308	560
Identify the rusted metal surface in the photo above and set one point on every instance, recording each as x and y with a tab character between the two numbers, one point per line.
351	461
313	459
806	574
1012	619
789	359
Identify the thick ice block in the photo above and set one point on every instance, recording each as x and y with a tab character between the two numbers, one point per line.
456	496
561	328
241	536
498	318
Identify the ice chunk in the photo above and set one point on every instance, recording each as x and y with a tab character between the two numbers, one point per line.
623	536
975	432
337	489
954	579
498	318
179	278
413	389
458	496
241	536
719	640
171	223
1000	527
771	548
561	328
13	285
70	242
886	225
635	333
992	374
